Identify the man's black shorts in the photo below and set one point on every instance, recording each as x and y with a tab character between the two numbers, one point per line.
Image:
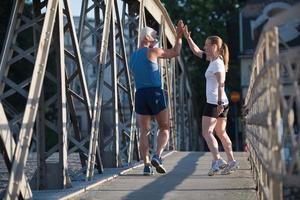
150	101
210	110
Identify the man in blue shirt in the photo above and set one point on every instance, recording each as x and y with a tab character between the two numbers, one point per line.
150	99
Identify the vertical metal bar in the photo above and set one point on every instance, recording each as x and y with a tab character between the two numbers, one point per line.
62	103
181	114
25	136
169	91
129	87
141	21
114	71
133	26
174	103
41	144
123	13
40	122
123	47
83	17
99	92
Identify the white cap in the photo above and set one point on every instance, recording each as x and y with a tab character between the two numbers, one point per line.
147	31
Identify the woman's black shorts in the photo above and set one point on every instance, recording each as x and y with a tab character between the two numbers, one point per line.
210	110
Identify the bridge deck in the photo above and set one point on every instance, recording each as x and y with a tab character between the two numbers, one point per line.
186	179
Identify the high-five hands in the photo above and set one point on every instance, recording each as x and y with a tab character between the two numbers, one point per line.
180	28
186	32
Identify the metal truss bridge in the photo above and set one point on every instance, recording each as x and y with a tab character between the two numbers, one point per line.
67	98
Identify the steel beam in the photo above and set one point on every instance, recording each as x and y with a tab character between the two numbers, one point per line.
25	135
99	92
62	100
9	145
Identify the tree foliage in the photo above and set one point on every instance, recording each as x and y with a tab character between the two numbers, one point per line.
5	9
205	18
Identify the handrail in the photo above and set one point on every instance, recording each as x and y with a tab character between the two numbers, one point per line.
272	111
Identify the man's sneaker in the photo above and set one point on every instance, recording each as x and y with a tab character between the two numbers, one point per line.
216	165
231	167
157	163
148	170
214	168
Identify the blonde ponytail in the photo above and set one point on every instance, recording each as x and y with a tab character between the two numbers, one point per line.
225	54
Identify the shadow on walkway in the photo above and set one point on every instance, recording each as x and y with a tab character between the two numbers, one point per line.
168	182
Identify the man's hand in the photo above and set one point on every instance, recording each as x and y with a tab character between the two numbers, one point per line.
180	28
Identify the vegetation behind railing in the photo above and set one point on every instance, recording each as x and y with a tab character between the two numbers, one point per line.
272	112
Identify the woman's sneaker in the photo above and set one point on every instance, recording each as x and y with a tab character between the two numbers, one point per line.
231	167
157	163
148	170
216	165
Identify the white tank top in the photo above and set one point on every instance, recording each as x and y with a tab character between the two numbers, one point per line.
212	83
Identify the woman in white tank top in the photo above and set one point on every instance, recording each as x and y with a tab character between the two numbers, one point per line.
216	108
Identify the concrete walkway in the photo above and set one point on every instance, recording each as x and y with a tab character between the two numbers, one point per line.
186	180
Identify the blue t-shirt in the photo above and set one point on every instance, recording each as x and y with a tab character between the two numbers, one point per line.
145	72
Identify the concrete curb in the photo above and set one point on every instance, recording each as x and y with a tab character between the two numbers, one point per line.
85	186
108	179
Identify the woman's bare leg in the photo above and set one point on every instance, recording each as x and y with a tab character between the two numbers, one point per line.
222	134
208	125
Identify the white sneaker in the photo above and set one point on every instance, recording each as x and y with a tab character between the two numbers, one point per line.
232	166
216	165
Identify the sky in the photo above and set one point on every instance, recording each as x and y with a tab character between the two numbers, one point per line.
76	7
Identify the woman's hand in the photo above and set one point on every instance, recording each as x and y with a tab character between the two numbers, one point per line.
220	109
186	32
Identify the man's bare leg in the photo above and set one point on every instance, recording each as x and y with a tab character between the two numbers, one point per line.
145	126
162	119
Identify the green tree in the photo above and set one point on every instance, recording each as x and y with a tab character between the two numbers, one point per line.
5	9
205	18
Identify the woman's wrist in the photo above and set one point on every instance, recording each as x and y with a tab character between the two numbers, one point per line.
220	103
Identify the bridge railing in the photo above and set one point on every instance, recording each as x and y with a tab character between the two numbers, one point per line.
272	111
